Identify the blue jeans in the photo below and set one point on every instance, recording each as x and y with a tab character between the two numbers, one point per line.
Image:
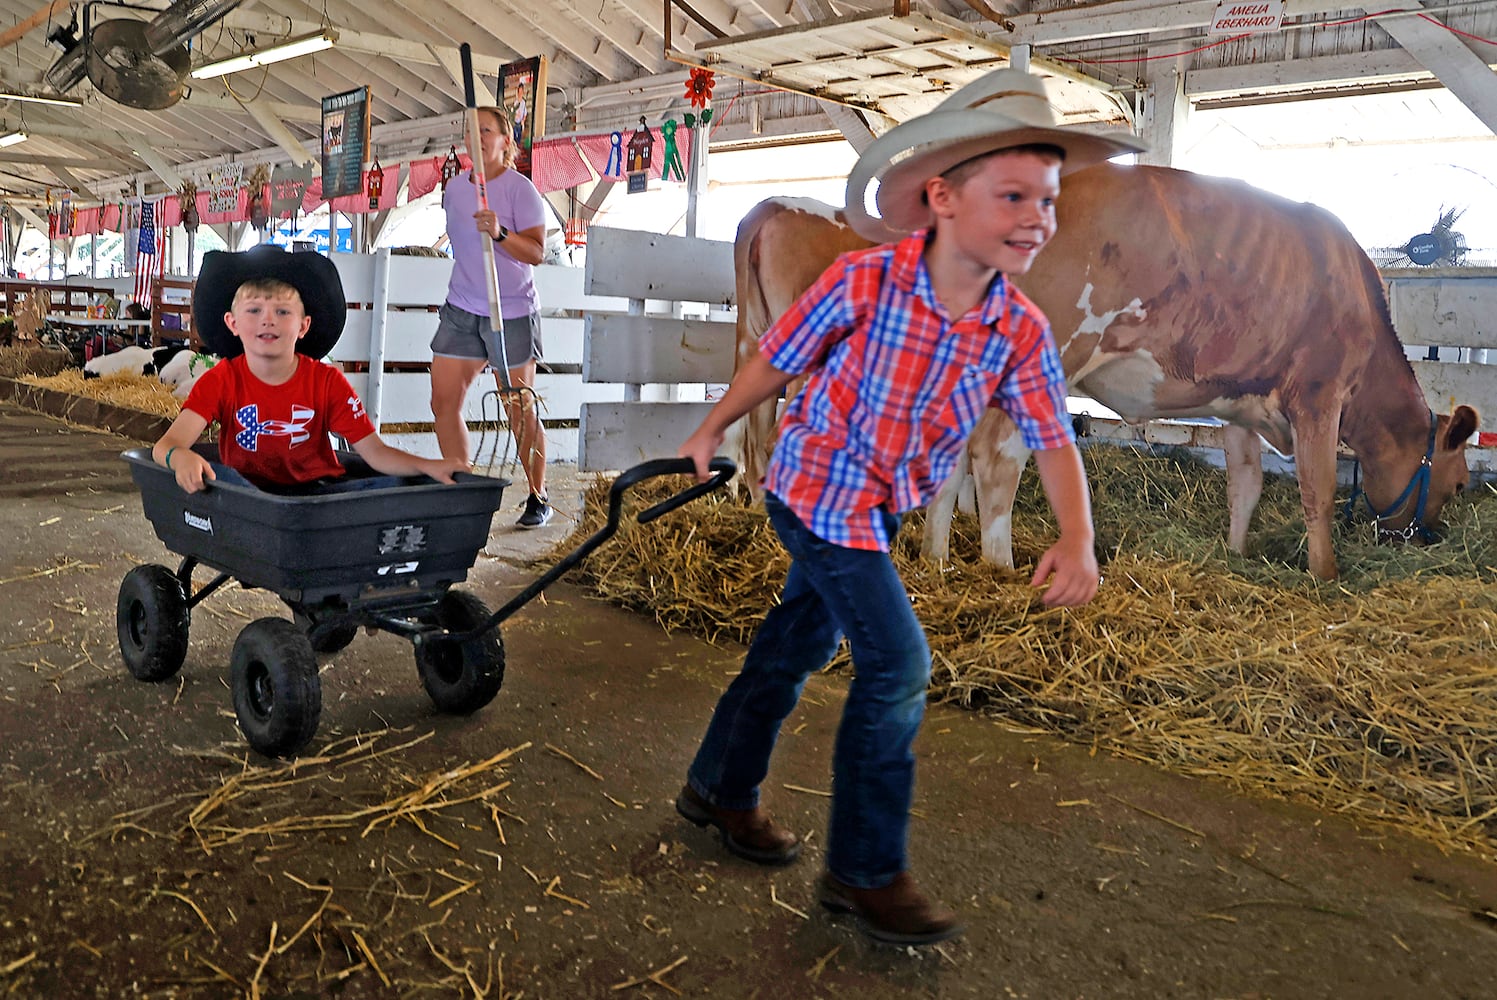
830	592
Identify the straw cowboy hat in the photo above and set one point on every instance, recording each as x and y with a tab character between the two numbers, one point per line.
1004	108
314	277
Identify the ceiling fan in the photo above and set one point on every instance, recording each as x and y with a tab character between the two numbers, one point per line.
138	63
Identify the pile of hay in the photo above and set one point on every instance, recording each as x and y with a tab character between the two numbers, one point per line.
136	392
1375	695
32	359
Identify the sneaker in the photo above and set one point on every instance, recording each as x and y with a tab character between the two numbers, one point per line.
537	512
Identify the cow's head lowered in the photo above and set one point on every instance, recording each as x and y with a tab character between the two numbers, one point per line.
1410	508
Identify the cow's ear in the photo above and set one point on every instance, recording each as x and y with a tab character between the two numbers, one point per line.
1462	425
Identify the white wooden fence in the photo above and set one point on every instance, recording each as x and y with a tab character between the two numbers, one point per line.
386	344
676	337
633	339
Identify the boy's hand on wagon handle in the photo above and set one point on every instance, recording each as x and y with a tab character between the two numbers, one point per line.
701	448
191	469
443	470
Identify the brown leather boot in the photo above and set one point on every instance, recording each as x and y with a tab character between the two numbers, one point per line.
899	913
748	833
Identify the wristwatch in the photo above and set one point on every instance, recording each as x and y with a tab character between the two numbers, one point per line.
503	235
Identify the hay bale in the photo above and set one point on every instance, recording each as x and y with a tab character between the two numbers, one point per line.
1375	695
33	359
135	392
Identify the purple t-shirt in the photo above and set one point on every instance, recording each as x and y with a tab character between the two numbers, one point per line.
519	206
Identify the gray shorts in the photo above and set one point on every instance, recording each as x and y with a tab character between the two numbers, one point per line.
461	334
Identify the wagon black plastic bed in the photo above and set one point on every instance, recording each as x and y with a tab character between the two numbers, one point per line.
386	557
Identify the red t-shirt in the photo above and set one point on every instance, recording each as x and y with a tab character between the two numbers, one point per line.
278	434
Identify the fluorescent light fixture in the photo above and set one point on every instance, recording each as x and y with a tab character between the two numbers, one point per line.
54	99
11	138
291	48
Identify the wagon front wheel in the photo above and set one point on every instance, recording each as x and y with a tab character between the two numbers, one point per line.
277	693
152	619
461	677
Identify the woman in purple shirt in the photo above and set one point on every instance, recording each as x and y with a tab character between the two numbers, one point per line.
515	223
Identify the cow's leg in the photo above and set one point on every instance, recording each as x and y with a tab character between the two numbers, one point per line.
1244	456
966	492
998	457
936	544
1315	465
756	442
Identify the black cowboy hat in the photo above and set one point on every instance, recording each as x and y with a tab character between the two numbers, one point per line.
314	277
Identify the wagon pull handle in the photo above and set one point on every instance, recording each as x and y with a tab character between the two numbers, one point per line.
724	469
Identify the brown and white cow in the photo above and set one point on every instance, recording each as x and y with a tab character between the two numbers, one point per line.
1174	294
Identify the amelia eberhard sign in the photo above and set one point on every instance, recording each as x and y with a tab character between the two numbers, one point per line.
1244	18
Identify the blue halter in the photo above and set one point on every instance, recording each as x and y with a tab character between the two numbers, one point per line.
1419	482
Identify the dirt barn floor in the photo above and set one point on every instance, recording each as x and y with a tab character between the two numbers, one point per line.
532	851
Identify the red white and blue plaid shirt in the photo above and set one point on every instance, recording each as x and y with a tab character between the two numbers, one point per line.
896	387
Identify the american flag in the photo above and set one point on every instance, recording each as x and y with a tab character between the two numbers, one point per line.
148	259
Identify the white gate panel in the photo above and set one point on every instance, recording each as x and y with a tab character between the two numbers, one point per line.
561	340
1456	307
619	435
641	265
562	288
1445	383
639	349
406	396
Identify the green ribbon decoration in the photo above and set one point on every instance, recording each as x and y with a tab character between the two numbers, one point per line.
672	155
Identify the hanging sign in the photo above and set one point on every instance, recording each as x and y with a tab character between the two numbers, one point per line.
641	152
345	142
522	91
1247	18
224	182
287	186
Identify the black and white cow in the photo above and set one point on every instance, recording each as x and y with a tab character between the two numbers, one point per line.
131	361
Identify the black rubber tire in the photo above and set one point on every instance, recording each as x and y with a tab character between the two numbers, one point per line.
277	693
326	639
461	678
152	620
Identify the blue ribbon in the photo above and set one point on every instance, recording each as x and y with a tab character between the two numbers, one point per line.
615	167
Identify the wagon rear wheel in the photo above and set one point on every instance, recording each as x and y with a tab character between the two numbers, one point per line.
277	693
461	677
152	619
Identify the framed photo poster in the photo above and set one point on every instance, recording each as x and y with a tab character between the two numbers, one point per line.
522	93
345	142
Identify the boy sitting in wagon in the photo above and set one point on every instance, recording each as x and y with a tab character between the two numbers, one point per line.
271	315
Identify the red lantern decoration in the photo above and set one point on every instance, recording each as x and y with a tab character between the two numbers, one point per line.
376	183
450	167
699	87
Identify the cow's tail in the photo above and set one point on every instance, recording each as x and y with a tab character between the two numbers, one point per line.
754	317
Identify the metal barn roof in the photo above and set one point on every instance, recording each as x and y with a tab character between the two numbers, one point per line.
782	69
